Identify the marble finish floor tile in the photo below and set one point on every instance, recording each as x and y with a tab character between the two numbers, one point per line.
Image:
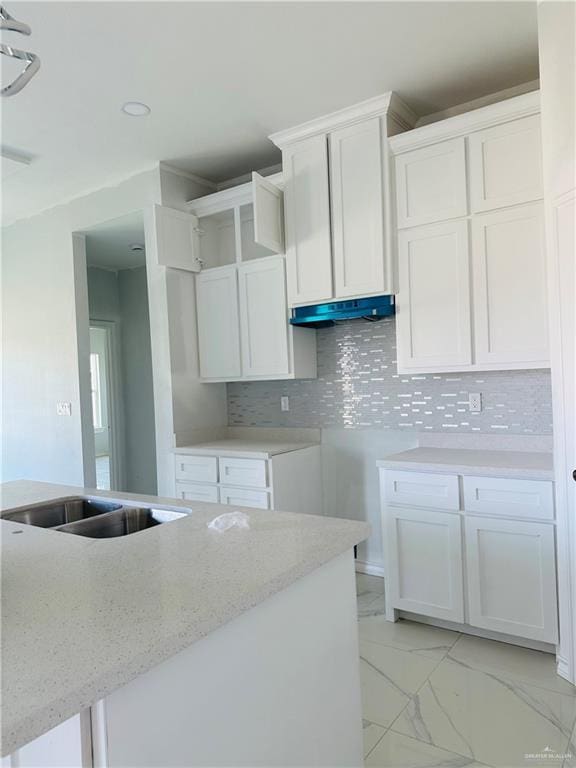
487	717
366	583
398	751
411	636
510	662
389	677
372	734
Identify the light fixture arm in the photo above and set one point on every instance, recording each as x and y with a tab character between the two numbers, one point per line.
9	23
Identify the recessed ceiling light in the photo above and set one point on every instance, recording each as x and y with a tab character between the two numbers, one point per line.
136	109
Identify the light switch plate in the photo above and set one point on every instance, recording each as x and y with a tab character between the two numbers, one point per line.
284	403
475	402
64	409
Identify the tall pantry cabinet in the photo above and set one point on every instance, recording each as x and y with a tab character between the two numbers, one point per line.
472	283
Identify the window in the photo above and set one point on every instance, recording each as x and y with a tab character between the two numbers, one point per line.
95	390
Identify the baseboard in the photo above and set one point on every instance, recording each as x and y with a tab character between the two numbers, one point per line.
370	569
563	668
467	629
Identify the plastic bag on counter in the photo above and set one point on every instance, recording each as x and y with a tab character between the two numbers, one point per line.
229	520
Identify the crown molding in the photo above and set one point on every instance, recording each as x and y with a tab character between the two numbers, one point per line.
378	106
228	198
460	125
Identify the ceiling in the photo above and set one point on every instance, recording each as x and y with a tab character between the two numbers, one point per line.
108	244
221	76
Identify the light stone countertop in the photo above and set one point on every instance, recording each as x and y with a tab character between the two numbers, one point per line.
243	448
82	617
463	461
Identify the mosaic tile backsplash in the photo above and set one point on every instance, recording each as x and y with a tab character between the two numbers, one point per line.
358	387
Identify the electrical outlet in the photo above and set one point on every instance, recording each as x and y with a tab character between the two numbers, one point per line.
64	409
284	403
475	402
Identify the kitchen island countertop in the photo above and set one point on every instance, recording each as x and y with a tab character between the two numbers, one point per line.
82	617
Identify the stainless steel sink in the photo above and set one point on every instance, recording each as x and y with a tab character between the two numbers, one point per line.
56	513
121	523
91	517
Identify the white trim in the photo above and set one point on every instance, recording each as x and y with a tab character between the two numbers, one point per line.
99	734
483	101
370	569
461	125
115	402
227	198
536	645
378	106
271	170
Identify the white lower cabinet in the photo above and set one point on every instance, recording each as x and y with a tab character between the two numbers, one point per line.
68	745
488	564
245	497
261	483
425	562
511	577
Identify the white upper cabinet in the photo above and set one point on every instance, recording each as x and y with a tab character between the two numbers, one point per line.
431	183
263	317
510	315
218	326
307	214
506	164
357	197
243	319
267	201
501	235
176	239
433	304
337	201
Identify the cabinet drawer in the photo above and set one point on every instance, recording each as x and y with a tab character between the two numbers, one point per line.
248	472
422	489
244	497
531	499
197	492
201	469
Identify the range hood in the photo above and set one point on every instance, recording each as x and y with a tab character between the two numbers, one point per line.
325	315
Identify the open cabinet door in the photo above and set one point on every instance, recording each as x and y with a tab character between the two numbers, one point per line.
177	240
268	214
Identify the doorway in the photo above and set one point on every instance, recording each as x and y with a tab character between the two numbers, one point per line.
121	389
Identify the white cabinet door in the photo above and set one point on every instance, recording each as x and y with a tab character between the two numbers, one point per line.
357	197
506	164
267	201
431	184
433	303
307	216
510	314
176	239
511	576
424	551
218	323
264	317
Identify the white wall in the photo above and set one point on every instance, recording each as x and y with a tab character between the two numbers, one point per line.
45	335
137	383
557	51
350	479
